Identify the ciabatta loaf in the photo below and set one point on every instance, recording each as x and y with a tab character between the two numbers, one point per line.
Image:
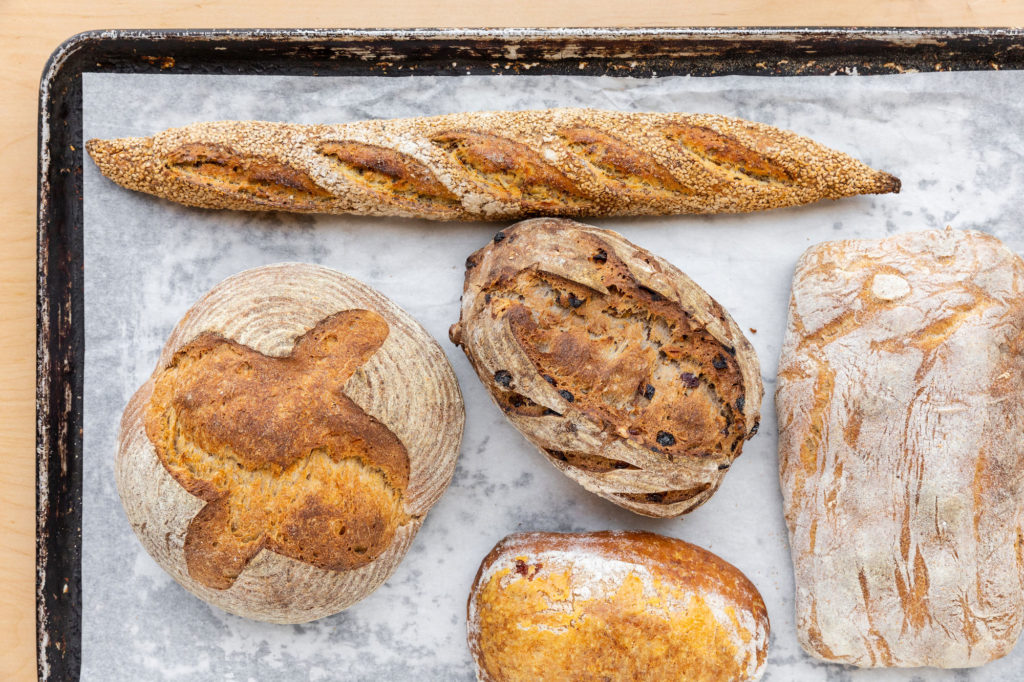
490	165
901	449
619	607
282	456
626	374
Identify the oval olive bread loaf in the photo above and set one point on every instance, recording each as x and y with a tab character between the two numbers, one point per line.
628	376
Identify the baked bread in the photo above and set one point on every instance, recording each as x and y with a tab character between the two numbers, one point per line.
628	376
490	165
901	449
617	607
275	463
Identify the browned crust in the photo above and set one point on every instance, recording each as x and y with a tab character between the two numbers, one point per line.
365	485
726	151
618	161
661	411
268	412
490	165
264	181
684	566
233	426
627	375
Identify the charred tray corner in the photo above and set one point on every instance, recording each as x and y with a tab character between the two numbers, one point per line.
641	53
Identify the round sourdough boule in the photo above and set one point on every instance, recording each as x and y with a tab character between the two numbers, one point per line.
278	463
628	376
615	606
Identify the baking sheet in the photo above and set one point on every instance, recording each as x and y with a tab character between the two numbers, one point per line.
956	140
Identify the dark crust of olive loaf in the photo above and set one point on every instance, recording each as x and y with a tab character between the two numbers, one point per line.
624	372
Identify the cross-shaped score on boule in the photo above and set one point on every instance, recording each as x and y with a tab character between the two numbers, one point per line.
284	460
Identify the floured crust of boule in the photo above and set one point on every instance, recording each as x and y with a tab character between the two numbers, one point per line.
490	165
900	449
623	606
626	374
288	379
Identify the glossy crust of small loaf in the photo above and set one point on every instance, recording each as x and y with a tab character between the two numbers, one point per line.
900	449
626	374
361	443
490	165
617	606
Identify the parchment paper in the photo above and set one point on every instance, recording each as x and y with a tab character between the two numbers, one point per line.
956	140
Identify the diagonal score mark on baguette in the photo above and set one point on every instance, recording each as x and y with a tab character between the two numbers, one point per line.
283	458
388	172
221	169
490	165
618	161
509	169
727	152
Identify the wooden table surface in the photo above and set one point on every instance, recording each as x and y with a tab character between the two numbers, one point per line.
29	31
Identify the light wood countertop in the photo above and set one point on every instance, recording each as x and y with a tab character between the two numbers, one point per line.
29	31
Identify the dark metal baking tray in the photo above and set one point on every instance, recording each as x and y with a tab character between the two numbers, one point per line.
645	53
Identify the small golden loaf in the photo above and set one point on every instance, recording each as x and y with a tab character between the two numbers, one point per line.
626	374
618	607
275	464
490	165
901	449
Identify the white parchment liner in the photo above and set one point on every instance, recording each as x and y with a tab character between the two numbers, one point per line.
955	139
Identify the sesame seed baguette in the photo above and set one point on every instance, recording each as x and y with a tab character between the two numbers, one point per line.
490	165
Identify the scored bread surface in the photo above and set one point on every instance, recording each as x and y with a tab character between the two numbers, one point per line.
626	374
900	449
490	165
624	606
276	463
